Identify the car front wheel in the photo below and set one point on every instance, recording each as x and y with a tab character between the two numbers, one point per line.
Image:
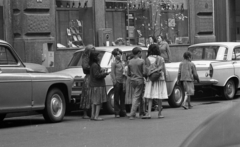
229	90
177	96
55	106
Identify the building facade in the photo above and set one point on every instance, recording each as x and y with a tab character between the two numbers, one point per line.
49	31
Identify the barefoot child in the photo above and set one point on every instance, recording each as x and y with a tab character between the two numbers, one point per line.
187	73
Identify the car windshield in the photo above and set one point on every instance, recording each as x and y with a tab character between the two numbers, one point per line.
77	58
207	52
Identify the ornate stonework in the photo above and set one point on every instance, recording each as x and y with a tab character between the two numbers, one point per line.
204	24
39	4
17	23
204	6
38	23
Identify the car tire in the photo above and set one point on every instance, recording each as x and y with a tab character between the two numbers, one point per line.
229	90
177	96
55	106
109	105
2	116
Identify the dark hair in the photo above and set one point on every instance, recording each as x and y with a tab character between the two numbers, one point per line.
153	38
153	49
116	51
136	50
164	38
93	57
118	40
187	55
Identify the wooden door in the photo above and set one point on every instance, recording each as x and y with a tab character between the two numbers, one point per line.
116	21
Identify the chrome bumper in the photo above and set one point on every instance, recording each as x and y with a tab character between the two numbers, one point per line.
206	81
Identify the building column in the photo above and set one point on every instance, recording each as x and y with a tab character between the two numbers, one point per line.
99	17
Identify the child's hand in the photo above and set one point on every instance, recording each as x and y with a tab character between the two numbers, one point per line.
198	80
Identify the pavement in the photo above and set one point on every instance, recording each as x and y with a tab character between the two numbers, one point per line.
74	131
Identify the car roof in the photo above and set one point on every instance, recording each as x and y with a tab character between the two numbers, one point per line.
111	48
217	43
2	41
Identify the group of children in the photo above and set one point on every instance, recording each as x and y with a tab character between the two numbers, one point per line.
134	80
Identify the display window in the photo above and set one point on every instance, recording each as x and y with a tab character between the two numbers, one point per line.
74	20
168	18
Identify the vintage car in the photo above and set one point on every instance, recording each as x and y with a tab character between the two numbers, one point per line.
217	63
175	91
223	62
26	89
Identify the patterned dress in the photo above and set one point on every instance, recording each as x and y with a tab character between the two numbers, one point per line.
97	89
85	101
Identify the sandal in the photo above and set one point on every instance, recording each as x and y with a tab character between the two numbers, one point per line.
160	116
146	117
98	119
160	113
185	107
85	117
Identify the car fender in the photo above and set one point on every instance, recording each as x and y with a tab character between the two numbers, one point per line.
235	78
222	72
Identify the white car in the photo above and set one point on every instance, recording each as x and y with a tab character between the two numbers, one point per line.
175	91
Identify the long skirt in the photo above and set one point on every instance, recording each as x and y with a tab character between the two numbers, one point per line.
85	101
155	90
129	91
98	95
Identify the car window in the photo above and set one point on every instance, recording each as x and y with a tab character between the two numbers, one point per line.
77	58
236	54
6	57
205	53
125	54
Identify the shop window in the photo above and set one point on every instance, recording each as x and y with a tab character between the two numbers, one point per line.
168	18
74	19
173	21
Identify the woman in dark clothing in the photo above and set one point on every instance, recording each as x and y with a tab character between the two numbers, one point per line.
97	89
85	101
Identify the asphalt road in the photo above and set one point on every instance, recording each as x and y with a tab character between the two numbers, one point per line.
33	131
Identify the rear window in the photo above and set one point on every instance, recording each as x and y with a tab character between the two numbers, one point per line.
77	58
206	53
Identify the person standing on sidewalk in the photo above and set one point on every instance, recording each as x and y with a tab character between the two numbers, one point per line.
164	49
155	89
187	73
85	101
117	69
136	70
97	86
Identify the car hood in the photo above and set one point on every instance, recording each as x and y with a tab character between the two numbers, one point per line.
33	67
74	72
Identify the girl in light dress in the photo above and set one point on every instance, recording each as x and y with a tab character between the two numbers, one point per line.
155	89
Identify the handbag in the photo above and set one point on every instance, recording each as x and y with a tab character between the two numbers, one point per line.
154	74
